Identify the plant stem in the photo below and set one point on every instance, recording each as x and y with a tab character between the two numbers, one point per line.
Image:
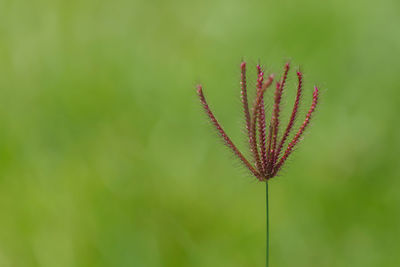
267	223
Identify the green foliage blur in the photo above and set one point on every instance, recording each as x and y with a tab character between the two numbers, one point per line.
106	158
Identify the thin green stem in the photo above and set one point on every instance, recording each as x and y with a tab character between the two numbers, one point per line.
267	223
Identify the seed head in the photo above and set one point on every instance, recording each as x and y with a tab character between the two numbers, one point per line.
267	162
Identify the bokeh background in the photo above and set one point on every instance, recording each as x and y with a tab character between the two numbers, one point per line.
106	158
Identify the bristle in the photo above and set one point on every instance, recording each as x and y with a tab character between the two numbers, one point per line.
299	132
222	133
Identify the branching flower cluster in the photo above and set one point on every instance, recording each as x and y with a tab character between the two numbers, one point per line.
266	148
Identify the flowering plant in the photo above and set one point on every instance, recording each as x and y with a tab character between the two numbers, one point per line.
266	148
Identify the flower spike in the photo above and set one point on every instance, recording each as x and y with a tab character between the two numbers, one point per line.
293	116
221	131
244	96
303	126
261	121
275	117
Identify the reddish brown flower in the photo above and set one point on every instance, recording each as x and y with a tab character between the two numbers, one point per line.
266	148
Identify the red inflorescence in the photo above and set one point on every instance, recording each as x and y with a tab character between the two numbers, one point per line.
268	161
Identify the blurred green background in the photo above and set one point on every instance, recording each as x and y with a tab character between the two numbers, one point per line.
106	158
